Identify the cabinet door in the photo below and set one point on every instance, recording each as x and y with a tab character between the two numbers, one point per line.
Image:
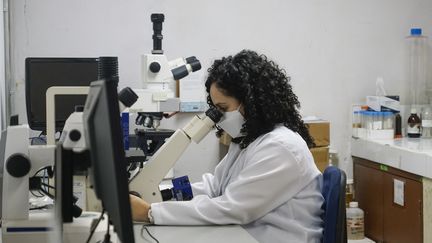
403	223
369	194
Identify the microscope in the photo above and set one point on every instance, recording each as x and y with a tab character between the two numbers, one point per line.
158	97
20	163
160	78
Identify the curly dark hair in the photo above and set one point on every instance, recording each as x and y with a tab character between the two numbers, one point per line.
264	91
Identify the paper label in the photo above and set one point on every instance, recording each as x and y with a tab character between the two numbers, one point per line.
426	123
413	129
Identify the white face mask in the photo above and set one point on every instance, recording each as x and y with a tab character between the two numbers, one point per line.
232	122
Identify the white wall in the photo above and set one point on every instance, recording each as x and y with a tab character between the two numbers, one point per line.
333	50
3	92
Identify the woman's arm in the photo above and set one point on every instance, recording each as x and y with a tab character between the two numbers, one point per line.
140	208
272	177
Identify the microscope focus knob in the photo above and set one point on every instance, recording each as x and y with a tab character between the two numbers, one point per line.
75	135
155	67
18	165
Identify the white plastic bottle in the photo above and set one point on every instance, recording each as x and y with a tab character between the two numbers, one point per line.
420	89
355	222
426	123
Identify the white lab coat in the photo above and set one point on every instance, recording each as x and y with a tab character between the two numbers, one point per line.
271	188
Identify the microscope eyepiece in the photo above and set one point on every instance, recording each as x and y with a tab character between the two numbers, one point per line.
157	19
214	114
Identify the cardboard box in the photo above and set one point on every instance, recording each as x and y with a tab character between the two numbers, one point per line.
320	132
321	157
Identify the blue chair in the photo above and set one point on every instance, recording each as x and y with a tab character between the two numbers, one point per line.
334	216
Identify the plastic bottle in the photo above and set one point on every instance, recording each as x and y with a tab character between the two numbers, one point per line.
369	120
349	193
355	222
414	123
356	123
387	120
426	123
398	126
377	120
419	89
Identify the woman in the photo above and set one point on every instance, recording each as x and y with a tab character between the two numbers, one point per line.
268	181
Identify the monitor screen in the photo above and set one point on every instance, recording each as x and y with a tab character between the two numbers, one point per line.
102	129
44	72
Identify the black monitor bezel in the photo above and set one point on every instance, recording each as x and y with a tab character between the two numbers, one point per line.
110	180
41	125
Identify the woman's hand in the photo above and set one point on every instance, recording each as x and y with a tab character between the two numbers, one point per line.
139	208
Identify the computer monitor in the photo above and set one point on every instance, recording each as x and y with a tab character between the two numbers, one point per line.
102	129
44	72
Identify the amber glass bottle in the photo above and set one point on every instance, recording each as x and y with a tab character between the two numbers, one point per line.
414	123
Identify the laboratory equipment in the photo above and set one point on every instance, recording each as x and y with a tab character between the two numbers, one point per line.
21	160
355	222
419	87
356	122
414	124
349	193
181	190
426	123
388	119
93	141
158	97
108	167
159	80
154	171
44	72
398	126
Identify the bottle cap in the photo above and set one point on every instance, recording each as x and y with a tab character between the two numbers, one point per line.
353	204
416	31
413	111
364	107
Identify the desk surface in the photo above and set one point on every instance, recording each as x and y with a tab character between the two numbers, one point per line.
194	234
164	234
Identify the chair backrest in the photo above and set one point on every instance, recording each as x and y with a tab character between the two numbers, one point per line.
334	217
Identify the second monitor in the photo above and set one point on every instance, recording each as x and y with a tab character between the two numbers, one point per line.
44	72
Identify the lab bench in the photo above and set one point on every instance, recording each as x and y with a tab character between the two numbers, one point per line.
393	185
189	234
194	234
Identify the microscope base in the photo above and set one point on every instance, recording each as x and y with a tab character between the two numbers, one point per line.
38	229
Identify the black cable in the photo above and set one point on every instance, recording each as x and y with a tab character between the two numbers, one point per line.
38	196
47	185
41	169
48	206
148	232
47	193
107	235
95	226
